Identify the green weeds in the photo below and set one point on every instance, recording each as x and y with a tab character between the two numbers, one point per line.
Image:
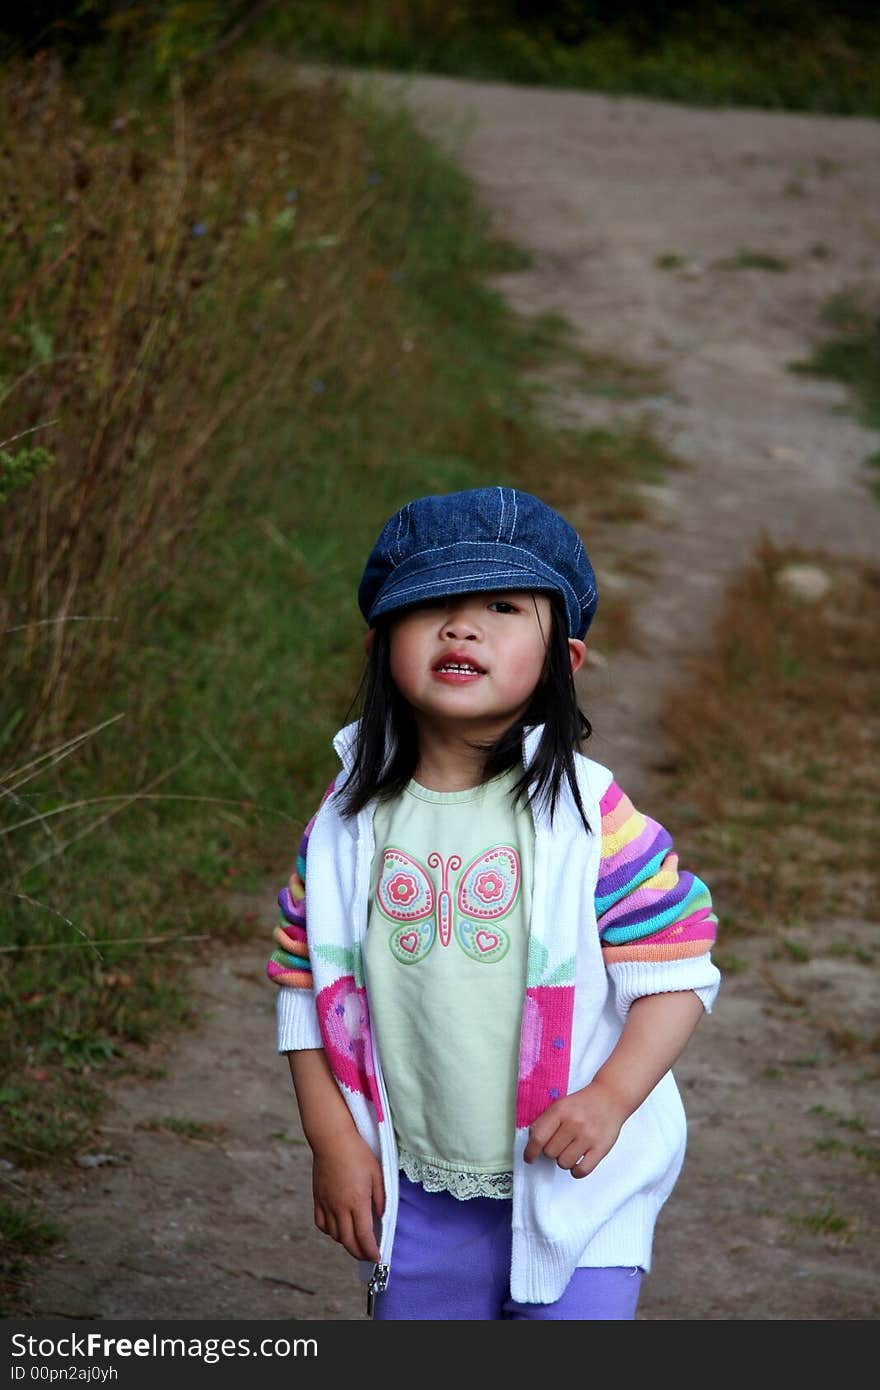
713	57
869	1154
851	354
796	951
827	1221
19	469
194	1130
730	964
24	1233
747	259
863	1149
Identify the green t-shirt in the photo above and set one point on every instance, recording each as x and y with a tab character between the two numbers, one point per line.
445	960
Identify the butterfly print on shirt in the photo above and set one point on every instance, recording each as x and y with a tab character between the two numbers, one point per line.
486	891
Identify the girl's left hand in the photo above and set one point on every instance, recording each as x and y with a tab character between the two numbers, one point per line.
578	1130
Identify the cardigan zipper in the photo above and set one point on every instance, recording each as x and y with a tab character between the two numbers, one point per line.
377	1284
387	1149
387	1158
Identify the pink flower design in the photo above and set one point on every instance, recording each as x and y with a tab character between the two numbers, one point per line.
344	1020
489	886
402	889
545	1050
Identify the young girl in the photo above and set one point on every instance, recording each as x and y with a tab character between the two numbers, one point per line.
501	960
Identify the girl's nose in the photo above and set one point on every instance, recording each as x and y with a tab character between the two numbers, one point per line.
460	622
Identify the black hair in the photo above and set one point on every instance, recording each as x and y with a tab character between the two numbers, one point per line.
386	750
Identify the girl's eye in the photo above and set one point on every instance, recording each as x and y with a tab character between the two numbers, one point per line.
501	605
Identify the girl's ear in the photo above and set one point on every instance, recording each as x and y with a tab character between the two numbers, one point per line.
577	652
369	638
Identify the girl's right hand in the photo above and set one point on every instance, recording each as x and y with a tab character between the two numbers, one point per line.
348	1189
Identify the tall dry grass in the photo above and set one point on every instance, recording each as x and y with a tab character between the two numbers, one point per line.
117	252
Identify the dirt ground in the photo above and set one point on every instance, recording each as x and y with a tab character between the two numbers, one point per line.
775	1214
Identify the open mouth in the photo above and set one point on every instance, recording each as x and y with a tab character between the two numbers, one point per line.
459	666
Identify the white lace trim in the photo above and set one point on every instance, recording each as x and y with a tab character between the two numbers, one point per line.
435	1178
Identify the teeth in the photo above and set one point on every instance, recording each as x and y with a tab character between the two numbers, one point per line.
459	667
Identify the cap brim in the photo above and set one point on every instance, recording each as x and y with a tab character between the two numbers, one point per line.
466	568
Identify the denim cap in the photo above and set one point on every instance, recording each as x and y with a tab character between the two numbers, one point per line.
473	542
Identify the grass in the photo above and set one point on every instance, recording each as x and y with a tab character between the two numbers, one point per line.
772	772
852	949
282	1137
771	769
827	1221
728	59
603	374
24	1232
251	319
795	951
851	354
770	755
748	259
869	1154
854	1122
194	1130
730	964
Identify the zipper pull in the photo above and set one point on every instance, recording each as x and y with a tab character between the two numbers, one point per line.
377	1284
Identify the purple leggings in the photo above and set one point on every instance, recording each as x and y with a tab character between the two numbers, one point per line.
451	1261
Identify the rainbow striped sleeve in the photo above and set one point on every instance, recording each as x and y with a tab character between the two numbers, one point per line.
647	910
289	962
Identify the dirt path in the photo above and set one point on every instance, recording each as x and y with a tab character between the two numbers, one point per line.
598	189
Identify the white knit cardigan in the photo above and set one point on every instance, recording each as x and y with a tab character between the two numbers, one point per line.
559	1223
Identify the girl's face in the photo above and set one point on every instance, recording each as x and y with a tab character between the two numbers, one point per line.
470	663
